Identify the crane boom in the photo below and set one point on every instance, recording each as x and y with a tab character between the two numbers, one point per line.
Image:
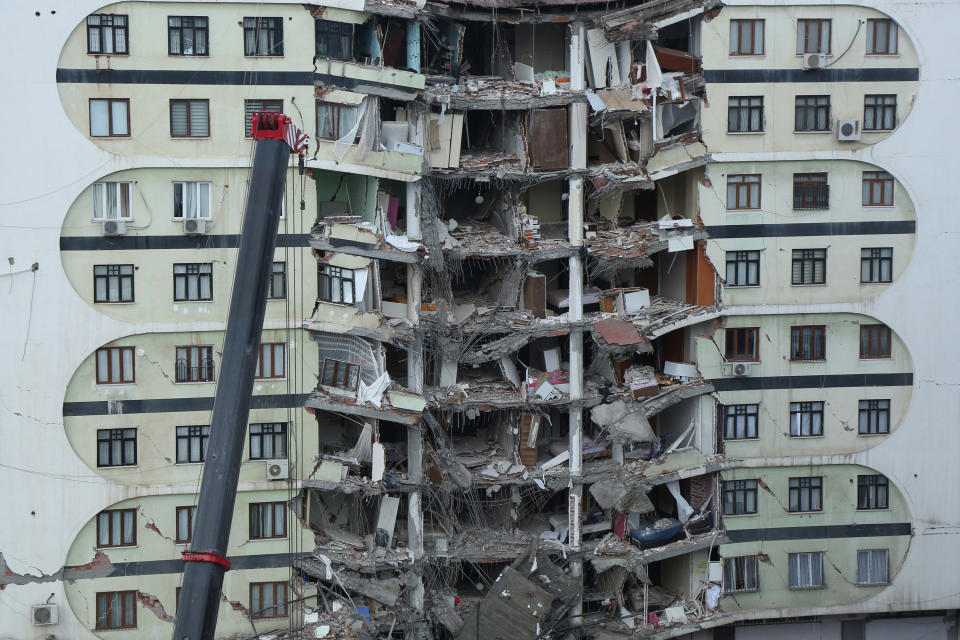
206	562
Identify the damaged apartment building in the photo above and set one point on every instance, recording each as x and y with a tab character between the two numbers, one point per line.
537	347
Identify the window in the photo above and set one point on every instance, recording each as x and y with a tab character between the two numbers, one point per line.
193	281
268	599
109	117
874	417
810	191
739	497
107	33
881	37
251	106
336	285
268	440
186	520
335	121
117	528
873	492
342	375
874	341
743	191
811	113
115	365
334	40
187	36
740	421
268	520
191	200
745	115
113	283
740	574
116	447
808	342
277	287
813	36
189	118
876	265
272	361
879	112
809	266
806	570
872	566
116	610
806	494
877	189
192	443
741	344
746	37
263	36
806	419
743	268
111	200
194	364
853	630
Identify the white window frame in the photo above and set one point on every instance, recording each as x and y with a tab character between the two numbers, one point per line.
747	569
870	580
196	187
812	562
103	200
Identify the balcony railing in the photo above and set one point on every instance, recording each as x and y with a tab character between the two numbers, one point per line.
201	373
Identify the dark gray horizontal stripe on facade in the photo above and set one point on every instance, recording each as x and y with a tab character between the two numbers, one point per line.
812	75
803	229
173	405
753	383
159	567
820	532
173	76
136	243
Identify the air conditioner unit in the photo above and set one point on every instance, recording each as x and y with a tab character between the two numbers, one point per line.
114	227
278	470
814	60
194	227
741	369
848	130
44	614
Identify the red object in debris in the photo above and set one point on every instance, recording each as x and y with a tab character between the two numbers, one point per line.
273	125
652	619
206	556
457	600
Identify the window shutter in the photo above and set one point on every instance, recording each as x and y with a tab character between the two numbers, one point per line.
199	119
178	118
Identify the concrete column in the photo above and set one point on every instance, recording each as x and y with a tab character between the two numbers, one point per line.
414	512
413	211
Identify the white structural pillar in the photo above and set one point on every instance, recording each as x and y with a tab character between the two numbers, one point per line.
415	432
578	160
413	211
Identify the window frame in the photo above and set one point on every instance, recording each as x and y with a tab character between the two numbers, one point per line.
336	124
279	608
740	343
330	279
260	508
200	277
740	418
804	40
352	374
334	32
877	337
812	109
811	191
741	569
735	113
125	29
195	185
205	29
739	24
191	521
731	490
277	432
128	605
203	354
119	188
275	346
874	263
881	107
742	262
887	187
808	343
810	412
804	493
893	30
273	281
793	574
740	183
133	528
120	279
873	417
188	434
808	259
271	24
108	379
189	117
886	567
248	112
110	124
124	438
870	489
